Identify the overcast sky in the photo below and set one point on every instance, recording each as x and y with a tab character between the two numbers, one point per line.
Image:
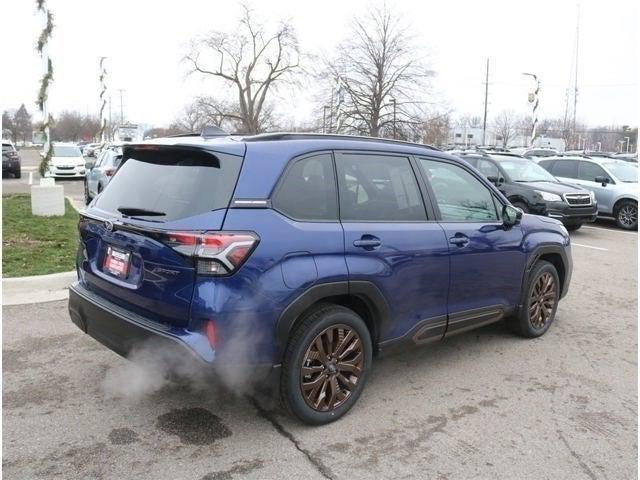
145	41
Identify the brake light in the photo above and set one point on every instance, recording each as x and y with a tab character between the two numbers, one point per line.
109	171
215	253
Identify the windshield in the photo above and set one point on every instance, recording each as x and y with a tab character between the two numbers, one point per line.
66	151
623	171
525	171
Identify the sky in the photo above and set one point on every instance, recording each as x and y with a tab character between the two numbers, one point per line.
145	42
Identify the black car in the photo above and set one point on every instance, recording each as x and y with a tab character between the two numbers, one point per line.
11	162
531	188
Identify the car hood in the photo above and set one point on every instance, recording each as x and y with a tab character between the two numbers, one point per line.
556	187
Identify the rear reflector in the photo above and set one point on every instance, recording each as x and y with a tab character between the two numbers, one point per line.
210	330
215	253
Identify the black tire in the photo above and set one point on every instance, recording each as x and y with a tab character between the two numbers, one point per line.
325	318
574	227
524	321
87	197
17	173
521	205
626	215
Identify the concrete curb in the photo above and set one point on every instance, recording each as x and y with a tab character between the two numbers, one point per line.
37	289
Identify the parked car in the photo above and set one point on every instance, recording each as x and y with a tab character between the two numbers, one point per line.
90	149
66	161
540	152
99	174
300	257
532	189
627	157
613	182
11	161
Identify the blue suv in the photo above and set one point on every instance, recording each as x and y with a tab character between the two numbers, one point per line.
301	257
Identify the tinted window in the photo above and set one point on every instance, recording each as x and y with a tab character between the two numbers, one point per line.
565	168
589	171
173	182
378	188
6	147
488	169
460	195
308	190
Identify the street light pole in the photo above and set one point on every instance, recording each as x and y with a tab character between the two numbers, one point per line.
324	118
393	101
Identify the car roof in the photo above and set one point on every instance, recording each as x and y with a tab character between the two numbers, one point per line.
291	143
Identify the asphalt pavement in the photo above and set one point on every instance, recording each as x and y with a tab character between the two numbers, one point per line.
482	405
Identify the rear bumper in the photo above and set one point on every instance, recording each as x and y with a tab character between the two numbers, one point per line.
124	332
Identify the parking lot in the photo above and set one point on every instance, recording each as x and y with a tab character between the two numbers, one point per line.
484	404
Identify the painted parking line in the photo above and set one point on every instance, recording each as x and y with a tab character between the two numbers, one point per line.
589	246
610	230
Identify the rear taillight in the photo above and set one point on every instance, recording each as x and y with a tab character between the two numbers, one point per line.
215	253
109	171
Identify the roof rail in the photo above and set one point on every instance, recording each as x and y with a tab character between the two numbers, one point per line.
323	136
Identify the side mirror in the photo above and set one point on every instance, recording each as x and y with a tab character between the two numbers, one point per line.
497	181
602	181
511	215
89	164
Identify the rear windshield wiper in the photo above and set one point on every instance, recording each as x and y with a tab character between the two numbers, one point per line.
140	211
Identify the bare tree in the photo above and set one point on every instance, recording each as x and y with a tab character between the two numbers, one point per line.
249	60
73	126
436	129
378	76
505	127
22	123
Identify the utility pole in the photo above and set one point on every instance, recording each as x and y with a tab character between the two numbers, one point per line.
575	85
121	108
486	96
393	101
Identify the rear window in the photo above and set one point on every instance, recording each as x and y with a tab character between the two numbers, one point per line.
171	183
7	147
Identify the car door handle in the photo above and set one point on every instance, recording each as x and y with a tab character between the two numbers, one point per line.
459	240
367	242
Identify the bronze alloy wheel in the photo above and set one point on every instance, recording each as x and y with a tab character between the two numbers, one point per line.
331	368
542	300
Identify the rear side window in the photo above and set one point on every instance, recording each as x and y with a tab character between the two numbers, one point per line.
308	190
565	168
379	188
172	183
